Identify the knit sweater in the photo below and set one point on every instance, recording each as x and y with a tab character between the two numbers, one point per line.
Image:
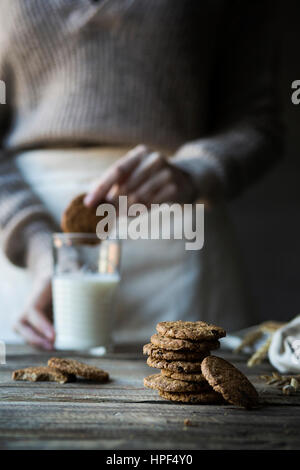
196	78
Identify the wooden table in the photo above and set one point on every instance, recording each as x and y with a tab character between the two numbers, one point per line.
124	415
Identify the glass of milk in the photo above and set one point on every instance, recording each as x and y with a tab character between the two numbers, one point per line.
86	275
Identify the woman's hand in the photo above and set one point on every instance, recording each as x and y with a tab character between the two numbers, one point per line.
35	325
144	176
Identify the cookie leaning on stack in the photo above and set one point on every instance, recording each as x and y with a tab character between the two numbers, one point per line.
178	349
189	374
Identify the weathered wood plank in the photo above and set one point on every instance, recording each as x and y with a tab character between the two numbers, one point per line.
95	393
124	415
213	427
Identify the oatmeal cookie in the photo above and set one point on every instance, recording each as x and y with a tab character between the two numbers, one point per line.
158	382
70	366
164	342
190	330
175	366
42	374
209	397
194	377
184	355
230	382
77	218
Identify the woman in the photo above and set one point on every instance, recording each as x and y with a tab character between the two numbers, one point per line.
87	82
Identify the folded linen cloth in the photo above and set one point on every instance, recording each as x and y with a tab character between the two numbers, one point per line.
284	350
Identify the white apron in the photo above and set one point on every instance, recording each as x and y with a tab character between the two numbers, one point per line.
160	279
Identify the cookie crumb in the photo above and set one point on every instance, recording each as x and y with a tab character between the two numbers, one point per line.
187	422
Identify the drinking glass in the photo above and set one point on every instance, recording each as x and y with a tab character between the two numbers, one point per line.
85	278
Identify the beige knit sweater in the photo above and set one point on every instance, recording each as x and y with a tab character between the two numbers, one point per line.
194	77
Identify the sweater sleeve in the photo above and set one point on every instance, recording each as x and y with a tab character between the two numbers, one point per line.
25	224
246	128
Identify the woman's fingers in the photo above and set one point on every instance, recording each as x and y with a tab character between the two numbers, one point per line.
148	167
151	187
37	309
42	296
31	336
115	175
41	324
98	193
145	177
113	193
34	325
167	194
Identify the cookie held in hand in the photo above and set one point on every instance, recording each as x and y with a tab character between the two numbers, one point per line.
77	218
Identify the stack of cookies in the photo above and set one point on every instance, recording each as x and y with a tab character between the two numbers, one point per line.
178	350
188	373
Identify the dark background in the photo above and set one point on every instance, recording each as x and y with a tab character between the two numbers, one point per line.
266	217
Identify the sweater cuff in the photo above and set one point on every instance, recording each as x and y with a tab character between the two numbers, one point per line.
204	169
27	238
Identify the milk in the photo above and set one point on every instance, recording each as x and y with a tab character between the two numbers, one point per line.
83	309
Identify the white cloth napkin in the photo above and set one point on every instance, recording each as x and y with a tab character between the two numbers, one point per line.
284	351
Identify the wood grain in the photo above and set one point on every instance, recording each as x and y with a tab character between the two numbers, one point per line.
124	415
